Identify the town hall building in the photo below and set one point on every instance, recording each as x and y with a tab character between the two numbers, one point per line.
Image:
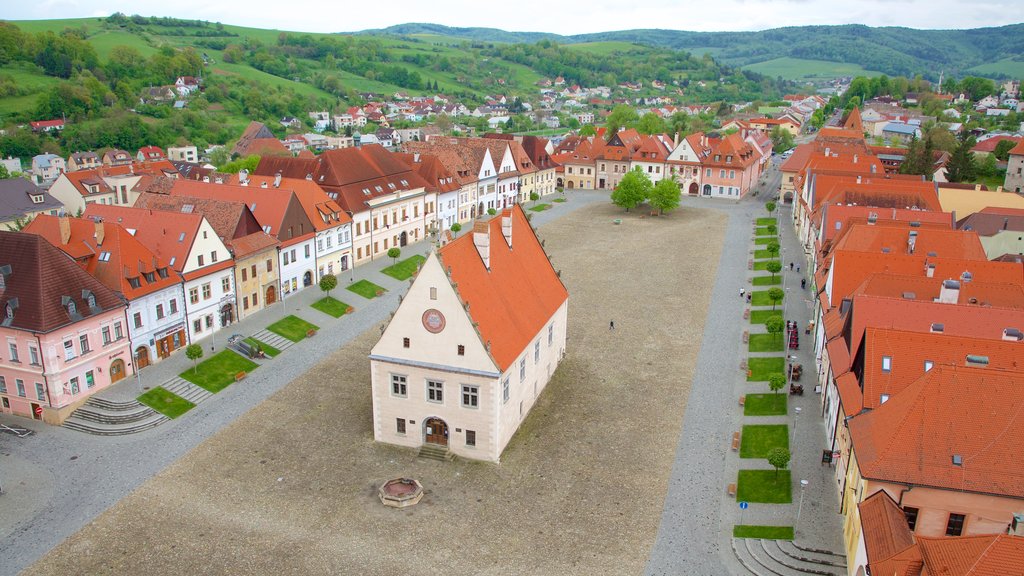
473	343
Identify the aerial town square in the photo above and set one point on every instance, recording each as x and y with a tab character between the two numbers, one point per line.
418	298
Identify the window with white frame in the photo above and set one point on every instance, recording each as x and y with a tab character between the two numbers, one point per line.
33	355
435	391
470	396
536	352
399	386
505	389
69	350
105	334
13	348
522	369
886	363
118	333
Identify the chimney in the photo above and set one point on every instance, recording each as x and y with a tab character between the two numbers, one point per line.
872	217
950	292
263	184
506	229
243	177
828	151
416	157
977	361
277	180
65	230
99	232
482	241
1017	524
309	177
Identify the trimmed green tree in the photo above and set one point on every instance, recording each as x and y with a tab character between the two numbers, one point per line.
394	253
779	458
328	282
773	247
776	382
194	352
491	211
775	295
534	196
773	229
770	207
773	266
775	325
634	189
665	195
456	228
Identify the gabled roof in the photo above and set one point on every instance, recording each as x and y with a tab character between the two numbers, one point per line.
169	235
229	219
892	236
991	220
831	218
16	198
507	322
853	122
439	180
884	526
321	210
269	206
258	139
42	281
1018	150
463	163
989	144
116	259
982	555
914	437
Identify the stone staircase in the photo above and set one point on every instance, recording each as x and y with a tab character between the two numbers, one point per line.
275	340
187	390
786	558
439	453
107	418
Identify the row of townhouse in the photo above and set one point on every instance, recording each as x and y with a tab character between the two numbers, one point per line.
916	333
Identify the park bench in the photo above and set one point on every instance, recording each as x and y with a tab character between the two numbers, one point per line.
743	400
735	441
750	264
731	490
746	313
240	376
743	365
310	333
746	336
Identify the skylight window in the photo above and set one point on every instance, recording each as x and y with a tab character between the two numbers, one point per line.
173	258
181	237
104	256
378	188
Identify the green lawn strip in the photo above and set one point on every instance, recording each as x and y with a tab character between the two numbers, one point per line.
219	371
765	343
758	439
767	280
760	298
761	368
765	231
267	348
766	221
762	532
765	405
166	402
331	306
365	288
761	265
762	316
763	240
406	268
765	255
764	486
292	328
540	207
559	200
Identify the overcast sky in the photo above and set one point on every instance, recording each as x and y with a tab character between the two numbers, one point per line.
566	17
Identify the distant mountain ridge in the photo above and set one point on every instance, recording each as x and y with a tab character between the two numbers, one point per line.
891	50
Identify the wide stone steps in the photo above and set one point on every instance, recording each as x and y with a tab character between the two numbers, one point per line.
187	390
152	420
783	558
438	453
275	340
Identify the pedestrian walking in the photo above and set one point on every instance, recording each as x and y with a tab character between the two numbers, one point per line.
611	325
748	298
742	292
790	266
797	269
803	283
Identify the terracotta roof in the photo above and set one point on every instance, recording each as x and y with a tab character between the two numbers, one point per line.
893	236
982	555
169	235
831	218
255	131
989	144
229	219
973	295
1018	150
41	281
120	262
884	526
439	179
505	319
853	122
914	437
252	244
321	210
992	220
463	163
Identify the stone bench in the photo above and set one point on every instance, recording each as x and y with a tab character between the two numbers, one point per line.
735	441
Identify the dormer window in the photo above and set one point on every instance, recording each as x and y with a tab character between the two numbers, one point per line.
10	311
37	199
70	305
90	300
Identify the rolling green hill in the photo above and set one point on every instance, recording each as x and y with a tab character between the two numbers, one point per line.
995	52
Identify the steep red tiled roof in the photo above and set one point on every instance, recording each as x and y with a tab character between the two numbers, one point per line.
913	438
41	281
120	262
853	121
268	205
251	244
226	217
506	320
983	555
884	526
893	236
439	179
1018	150
169	235
989	144
321	210
831	218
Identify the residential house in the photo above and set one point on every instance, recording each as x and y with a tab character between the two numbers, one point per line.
185	85
83	161
384	197
291	122
183	154
63	331
257	139
612	158
106	184
21	201
1000	230
155	316
465	357
47	167
47	125
254	251
786	123
12	164
1015	169
650	156
730	169
150	154
465	165
901	132
684	161
577	163
441	183
116	158
194	251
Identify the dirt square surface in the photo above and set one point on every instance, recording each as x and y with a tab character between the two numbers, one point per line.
290	487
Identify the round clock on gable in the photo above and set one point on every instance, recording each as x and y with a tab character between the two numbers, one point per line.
433	321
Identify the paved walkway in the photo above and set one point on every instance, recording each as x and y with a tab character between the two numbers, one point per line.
58	480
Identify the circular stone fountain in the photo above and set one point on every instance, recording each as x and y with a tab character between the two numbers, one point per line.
400	492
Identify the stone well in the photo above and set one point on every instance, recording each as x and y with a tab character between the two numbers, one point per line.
400	492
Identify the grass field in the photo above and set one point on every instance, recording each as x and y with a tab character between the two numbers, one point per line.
406	268
763	532
758	439
267	348
766	280
761	368
292	328
764	486
765	343
219	371
802	69
605	48
540	207
762	316
166	403
365	288
760	298
765	405
1008	66
331	307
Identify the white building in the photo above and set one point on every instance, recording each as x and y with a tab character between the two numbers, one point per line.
448	375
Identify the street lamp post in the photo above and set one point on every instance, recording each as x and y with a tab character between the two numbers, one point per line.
796	421
800	507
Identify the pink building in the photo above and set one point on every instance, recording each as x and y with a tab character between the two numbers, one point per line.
62	335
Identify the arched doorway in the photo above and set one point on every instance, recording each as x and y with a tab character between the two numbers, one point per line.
116	370
787	198
141	357
694	189
571	185
707	189
403	239
435	431
227	314
559	183
307	279
271	295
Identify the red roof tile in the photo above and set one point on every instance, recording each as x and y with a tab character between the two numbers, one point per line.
169	235
885	529
984	555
